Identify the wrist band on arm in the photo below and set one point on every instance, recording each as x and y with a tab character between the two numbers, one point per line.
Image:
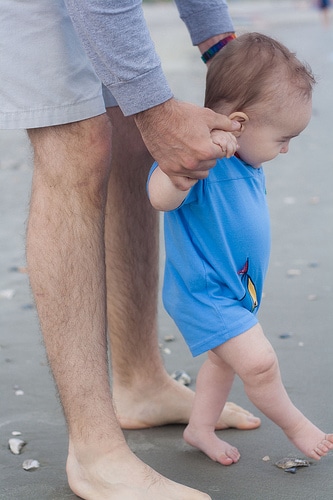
210	53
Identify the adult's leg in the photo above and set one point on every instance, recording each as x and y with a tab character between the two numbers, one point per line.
144	394
66	254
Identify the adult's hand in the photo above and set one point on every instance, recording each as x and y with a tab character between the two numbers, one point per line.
186	139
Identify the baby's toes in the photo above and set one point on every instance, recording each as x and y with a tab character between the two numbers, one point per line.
329	441
234	454
323	448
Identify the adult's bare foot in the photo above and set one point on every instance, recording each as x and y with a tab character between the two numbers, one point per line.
170	403
121	474
234	416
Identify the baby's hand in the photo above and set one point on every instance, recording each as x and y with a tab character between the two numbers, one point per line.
227	142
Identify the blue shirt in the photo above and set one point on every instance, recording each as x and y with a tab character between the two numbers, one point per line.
217	252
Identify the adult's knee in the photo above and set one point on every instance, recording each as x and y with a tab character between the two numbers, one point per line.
74	154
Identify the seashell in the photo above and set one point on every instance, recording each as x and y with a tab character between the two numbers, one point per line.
290	463
30	464
292	470
15	445
181	377
16	433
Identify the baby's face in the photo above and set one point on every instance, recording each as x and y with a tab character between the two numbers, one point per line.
263	140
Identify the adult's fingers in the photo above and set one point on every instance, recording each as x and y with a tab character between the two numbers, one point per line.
222	122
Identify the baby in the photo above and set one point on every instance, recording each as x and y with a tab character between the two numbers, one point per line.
217	237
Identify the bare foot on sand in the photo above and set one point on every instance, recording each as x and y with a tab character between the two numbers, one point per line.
121	475
208	442
310	440
170	403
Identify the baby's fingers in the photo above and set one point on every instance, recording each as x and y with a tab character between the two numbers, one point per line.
226	141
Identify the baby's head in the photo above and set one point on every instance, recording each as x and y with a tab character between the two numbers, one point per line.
256	80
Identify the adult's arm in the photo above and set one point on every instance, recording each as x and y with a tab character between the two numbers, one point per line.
118	42
205	20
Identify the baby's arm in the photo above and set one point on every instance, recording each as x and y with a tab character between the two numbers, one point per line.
163	194
166	194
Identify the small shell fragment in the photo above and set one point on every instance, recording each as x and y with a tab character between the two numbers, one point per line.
15	445
289	200
169	338
285	335
182	377
16	433
292	470
19	392
290	463
30	464
294	272
18	269
266	458
7	294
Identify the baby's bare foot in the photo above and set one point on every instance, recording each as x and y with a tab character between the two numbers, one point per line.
208	442
313	442
170	403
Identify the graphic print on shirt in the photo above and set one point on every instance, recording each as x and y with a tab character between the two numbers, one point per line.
250	298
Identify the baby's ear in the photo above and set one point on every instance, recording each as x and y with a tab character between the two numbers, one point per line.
240	117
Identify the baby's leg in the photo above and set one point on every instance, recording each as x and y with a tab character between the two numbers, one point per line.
254	360
213	385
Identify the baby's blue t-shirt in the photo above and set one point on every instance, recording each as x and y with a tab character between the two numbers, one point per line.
217	251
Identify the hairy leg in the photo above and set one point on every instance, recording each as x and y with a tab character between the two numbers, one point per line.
213	385
65	252
254	360
132	254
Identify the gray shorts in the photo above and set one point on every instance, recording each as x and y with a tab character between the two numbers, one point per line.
46	77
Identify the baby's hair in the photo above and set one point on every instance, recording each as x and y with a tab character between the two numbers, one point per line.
254	69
